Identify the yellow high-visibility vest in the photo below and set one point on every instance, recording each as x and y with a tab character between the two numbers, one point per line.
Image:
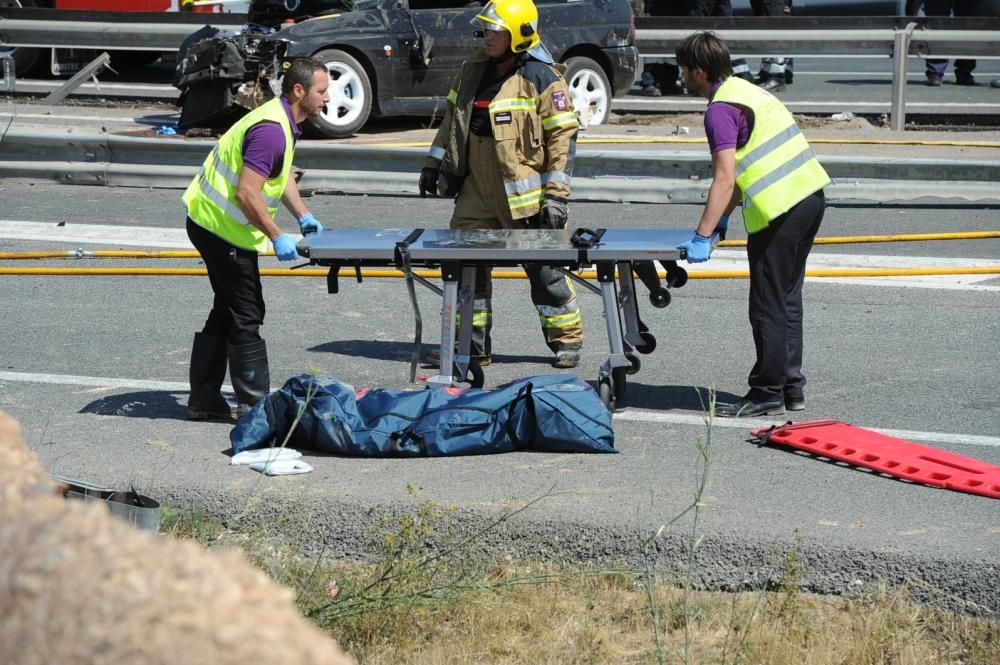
776	168
211	196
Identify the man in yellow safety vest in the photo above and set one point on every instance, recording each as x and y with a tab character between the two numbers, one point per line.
759	155
231	209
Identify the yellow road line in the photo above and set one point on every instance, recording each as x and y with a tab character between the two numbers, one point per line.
191	254
499	274
626	140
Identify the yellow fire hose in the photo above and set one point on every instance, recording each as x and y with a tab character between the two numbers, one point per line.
499	274
693	139
190	254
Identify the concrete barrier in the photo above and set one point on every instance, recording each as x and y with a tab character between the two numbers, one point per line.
638	176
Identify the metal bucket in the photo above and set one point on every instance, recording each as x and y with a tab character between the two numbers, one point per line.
140	510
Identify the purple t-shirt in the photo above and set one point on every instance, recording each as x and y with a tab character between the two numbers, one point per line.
264	144
726	125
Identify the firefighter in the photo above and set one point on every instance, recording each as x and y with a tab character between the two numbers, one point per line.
759	155
506	147
231	208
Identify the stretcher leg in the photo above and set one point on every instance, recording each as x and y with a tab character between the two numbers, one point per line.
466	298
450	274
634	327
611	378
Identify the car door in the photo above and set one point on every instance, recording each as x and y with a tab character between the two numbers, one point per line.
443	26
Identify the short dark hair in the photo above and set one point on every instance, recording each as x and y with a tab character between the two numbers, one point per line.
300	71
705	50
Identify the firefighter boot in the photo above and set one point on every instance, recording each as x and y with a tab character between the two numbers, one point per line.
208	370
249	374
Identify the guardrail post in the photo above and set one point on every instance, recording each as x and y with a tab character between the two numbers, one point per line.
8	71
91	69
900	51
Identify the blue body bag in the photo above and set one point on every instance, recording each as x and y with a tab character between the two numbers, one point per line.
555	413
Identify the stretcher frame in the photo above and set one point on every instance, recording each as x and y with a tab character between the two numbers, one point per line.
619	255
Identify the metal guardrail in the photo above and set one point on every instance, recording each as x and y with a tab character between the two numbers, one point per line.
935	37
652	176
891	37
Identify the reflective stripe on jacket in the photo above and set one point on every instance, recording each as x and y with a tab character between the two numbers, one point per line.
776	168
211	196
534	126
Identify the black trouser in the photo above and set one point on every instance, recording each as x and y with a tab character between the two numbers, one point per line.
709	8
777	270
963	66
238	309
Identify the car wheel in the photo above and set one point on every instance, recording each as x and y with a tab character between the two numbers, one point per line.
350	96
27	60
590	91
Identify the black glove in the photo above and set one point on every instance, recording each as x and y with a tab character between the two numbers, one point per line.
428	181
554	214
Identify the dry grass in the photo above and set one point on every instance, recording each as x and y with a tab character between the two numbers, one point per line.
606	619
412	606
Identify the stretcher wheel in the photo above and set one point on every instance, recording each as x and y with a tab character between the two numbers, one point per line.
606	392
648	344
677	277
618	382
659	298
474	376
636	364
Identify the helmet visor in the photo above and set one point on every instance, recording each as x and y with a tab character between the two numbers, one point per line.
488	19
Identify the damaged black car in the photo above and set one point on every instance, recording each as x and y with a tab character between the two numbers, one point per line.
391	57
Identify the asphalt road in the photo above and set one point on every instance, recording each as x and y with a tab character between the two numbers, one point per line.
95	369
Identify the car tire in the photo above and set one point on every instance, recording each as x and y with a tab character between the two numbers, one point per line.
589	90
27	60
350	96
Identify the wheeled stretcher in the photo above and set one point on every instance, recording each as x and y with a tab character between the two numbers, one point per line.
617	254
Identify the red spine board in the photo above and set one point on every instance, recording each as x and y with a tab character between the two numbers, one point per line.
894	457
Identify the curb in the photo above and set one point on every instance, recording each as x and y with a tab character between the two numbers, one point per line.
648	176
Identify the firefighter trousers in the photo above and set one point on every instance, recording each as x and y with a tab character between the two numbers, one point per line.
482	204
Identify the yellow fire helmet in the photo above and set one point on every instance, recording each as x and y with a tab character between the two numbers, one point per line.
518	17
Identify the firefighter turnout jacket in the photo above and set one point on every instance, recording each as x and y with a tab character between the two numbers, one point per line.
211	196
534	128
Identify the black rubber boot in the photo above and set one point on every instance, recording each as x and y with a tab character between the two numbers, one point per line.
206	374
249	374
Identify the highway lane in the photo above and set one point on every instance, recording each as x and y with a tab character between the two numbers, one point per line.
894	355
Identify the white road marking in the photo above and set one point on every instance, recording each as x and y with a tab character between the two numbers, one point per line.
99	234
629	415
650	416
722	259
99	382
731	259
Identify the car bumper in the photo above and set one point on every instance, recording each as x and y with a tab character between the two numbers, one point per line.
624	65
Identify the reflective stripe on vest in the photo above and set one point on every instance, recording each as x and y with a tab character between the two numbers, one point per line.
559	120
513	104
776	168
211	196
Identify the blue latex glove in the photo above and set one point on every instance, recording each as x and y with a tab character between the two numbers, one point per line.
284	248
309	224
699	248
722	227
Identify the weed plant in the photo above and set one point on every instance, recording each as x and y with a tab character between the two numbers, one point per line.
419	598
